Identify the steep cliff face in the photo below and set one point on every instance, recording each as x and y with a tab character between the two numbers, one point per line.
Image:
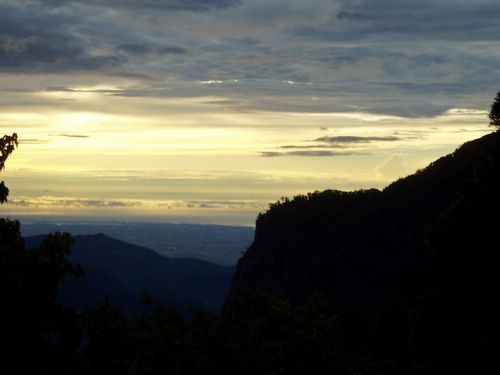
363	248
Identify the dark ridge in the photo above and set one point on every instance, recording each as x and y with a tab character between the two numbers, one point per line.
121	271
366	247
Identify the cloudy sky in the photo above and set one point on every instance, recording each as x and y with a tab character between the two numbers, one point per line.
207	110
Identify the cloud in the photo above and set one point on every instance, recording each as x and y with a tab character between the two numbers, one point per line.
95	90
344	145
193	5
38	42
312	153
73	202
71	135
394	167
225	204
323	146
408	59
356	139
68	202
315	146
407	20
144	49
33	141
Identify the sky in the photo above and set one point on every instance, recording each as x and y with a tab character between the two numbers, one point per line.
207	111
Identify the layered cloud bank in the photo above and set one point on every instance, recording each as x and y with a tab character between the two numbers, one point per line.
404	58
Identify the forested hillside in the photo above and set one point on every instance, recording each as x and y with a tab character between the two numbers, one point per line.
415	264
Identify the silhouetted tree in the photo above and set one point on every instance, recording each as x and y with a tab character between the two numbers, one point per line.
37	334
7	144
494	115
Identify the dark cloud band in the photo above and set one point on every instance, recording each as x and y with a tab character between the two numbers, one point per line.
193	5
405	58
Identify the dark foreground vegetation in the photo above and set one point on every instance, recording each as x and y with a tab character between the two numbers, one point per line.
400	281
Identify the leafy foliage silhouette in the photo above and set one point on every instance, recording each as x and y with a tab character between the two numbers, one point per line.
7	145
37	333
494	114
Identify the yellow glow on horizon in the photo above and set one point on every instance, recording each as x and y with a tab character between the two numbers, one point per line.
104	154
79	133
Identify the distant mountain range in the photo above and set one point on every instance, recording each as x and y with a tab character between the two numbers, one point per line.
219	244
121	272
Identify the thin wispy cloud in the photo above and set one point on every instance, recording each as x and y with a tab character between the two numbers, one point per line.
314	146
356	139
309	153
33	141
71	135
343	145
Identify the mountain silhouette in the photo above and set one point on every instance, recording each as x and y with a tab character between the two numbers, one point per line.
417	262
121	272
428	233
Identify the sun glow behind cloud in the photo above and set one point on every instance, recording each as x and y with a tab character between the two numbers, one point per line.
189	164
